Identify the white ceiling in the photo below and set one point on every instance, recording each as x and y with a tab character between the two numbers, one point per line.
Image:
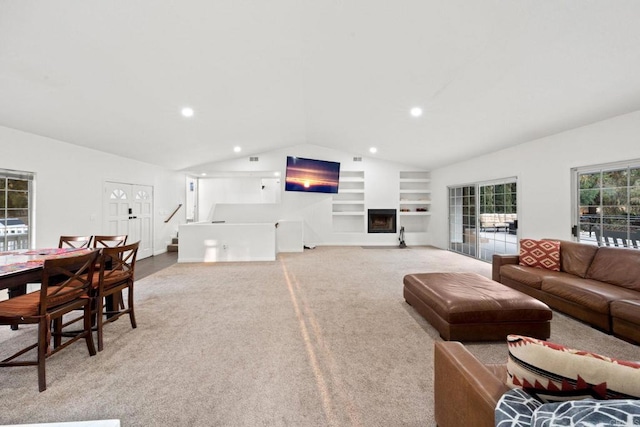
113	75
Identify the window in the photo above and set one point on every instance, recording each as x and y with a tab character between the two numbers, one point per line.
483	219
16	215
607	204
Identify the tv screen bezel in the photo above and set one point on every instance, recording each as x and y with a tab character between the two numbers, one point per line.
328	165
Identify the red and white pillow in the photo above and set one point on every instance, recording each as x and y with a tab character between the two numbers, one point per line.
540	254
553	373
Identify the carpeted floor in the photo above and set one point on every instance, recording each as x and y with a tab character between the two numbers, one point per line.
320	338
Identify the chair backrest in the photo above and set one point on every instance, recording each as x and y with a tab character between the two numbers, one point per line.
75	241
65	279
118	263
109	241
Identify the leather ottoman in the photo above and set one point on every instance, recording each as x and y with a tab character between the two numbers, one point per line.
471	307
625	319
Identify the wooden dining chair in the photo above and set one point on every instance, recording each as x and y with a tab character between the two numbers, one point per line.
65	287
109	241
110	282
75	241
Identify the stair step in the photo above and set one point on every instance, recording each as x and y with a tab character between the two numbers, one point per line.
172	247
174	240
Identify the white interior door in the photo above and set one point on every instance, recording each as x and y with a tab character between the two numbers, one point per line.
128	209
143	218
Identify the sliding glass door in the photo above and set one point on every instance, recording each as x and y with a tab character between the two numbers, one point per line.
462	220
483	219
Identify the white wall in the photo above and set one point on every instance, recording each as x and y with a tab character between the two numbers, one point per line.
69	186
543	171
314	209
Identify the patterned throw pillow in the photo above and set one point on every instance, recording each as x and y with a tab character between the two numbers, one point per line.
515	409
540	253
554	373
587	413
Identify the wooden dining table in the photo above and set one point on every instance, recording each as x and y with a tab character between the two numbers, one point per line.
20	267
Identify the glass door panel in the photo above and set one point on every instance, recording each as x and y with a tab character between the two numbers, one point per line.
483	219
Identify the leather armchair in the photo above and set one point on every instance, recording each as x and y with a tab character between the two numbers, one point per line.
466	391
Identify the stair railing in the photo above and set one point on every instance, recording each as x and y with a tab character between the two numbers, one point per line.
174	212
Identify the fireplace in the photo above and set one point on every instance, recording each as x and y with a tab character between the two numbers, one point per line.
381	221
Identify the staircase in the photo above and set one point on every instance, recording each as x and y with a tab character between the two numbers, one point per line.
173	246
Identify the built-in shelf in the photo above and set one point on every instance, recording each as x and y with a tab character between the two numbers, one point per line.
348	204
347	214
415	201
415	213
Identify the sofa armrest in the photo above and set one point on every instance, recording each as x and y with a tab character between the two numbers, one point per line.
500	260
466	391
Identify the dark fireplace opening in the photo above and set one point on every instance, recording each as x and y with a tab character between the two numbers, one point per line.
381	221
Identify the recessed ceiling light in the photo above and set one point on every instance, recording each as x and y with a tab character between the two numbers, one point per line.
203	174
237	149
373	150
187	112
276	173
416	111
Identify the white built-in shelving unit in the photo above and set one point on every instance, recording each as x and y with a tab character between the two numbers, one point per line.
348	204
415	201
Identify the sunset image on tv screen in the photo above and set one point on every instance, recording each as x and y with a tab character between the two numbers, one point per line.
311	175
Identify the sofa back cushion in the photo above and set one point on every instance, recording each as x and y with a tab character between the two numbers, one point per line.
617	266
575	258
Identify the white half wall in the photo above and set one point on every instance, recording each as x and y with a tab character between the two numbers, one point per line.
69	185
543	168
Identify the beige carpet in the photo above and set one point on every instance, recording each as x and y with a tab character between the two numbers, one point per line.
320	338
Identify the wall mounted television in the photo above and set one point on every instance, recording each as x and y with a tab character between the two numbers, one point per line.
312	176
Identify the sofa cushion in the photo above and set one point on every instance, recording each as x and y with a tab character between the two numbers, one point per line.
526	275
552	372
529	276
626	309
540	254
575	258
591	294
617	266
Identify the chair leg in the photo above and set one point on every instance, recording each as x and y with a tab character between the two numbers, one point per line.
57	332
99	320
43	345
132	315
88	333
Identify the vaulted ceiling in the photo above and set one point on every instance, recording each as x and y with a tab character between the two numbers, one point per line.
344	74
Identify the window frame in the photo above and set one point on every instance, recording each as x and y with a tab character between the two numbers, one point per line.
6	175
598	222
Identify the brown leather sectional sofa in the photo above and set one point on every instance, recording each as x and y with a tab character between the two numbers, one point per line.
598	285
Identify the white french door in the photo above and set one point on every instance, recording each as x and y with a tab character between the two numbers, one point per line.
128	209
